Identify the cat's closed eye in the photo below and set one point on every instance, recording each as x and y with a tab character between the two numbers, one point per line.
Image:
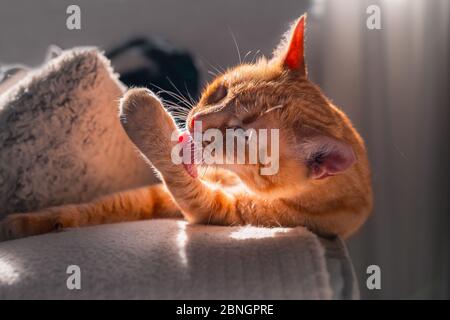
251	118
218	94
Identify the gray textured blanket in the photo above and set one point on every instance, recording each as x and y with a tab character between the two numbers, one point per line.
168	259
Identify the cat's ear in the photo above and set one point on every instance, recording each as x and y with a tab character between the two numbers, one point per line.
291	51
326	156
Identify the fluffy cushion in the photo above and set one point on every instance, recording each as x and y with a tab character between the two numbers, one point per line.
60	138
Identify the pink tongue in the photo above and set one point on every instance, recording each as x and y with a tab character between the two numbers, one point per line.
186	140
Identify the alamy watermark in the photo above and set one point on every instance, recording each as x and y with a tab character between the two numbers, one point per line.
373	281
73	21
73	282
240	146
373	21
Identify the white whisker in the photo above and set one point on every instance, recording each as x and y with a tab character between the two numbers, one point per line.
236	44
246	55
254	56
274	108
189	103
174	95
219	71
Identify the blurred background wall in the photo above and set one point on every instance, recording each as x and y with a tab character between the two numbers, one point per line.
392	82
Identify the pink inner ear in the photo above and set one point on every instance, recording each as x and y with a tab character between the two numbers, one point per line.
336	158
295	55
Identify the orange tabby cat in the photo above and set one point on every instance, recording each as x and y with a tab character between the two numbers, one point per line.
323	181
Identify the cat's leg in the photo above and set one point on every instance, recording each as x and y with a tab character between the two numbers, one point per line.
136	204
150	127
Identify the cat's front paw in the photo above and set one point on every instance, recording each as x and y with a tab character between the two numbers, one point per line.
139	107
22	225
147	123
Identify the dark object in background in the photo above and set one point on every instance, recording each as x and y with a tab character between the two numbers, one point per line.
157	65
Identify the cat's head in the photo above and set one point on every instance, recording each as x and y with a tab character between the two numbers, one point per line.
315	138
